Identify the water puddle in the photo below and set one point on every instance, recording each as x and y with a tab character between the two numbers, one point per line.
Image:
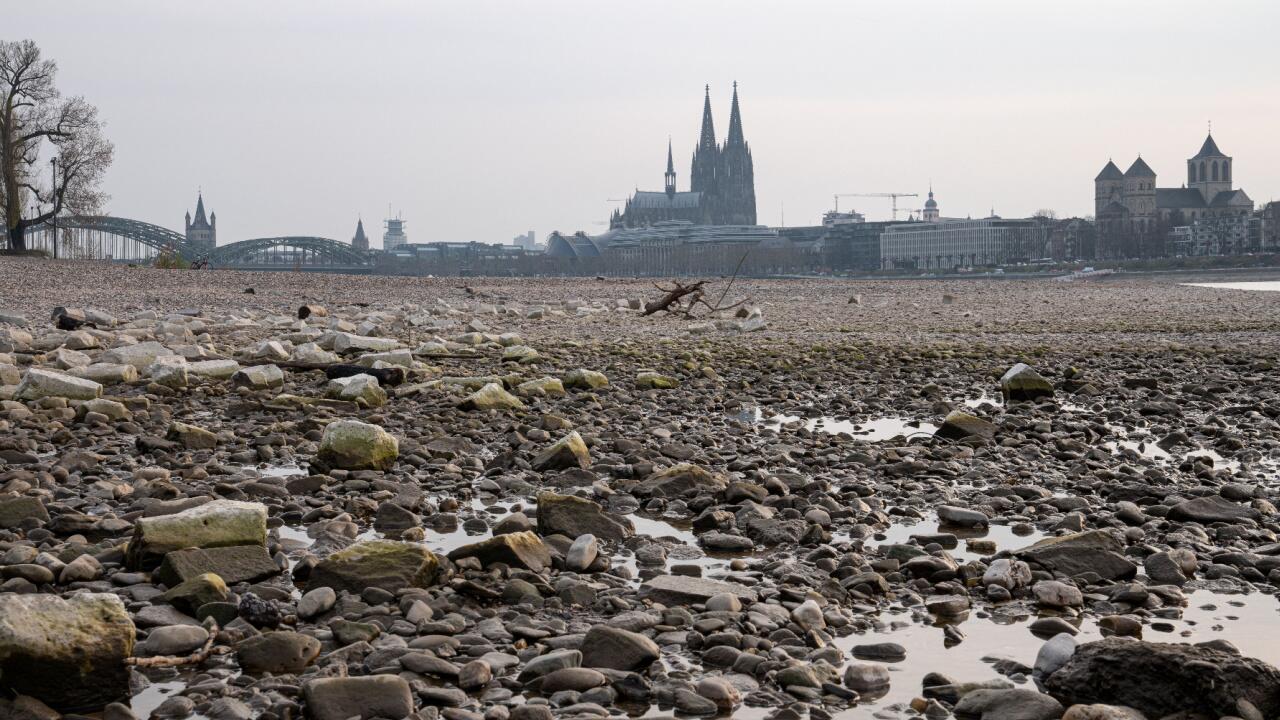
1003	536
874	430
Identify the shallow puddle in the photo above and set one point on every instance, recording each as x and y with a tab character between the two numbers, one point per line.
1002	535
874	430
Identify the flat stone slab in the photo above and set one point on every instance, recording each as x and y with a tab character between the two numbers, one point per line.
684	590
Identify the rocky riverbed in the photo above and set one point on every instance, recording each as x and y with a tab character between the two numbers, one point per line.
487	498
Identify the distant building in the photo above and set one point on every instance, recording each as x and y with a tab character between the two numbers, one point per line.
1226	235
721	188
835	217
527	241
948	244
360	241
394	236
202	233
930	212
1135	216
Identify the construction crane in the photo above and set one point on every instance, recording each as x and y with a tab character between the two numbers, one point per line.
895	197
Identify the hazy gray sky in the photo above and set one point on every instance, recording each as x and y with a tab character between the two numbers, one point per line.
481	120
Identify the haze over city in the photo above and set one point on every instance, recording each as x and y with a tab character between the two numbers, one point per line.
479	121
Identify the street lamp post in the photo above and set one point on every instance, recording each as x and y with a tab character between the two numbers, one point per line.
54	162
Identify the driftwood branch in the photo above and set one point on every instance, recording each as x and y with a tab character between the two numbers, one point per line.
194	658
671	300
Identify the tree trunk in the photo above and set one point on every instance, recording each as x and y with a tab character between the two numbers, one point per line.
17	237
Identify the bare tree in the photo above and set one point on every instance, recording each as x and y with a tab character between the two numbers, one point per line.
34	118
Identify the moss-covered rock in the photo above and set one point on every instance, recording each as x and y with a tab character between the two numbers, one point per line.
384	564
353	445
221	523
518	549
548	386
959	425
585	379
491	397
569	451
67	653
189	595
656	381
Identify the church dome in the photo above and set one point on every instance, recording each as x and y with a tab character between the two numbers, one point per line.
930	204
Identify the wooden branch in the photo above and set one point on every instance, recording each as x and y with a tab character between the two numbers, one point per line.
674	296
194	658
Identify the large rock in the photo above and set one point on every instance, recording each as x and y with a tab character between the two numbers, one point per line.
240	563
959	425
215	369
192	437
518	549
685	590
962	517
14	511
354	445
140	356
68	653
371	696
277	652
679	480
567	452
1175	566
384	564
585	379
106	373
39	383
1014	704
1096	551
1022	382
348	342
491	397
1212	509
1159	679
221	523
573	516
258	377
361	389
617	649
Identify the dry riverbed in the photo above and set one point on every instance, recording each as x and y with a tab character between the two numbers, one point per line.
527	500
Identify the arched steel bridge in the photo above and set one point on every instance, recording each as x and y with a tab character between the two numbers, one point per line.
281	252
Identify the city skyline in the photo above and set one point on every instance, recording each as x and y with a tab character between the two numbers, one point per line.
482	123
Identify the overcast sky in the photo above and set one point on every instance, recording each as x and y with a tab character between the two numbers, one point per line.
481	120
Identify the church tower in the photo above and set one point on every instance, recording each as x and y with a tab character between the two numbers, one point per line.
930	213
736	179
1108	186
360	241
669	178
202	233
1209	171
706	157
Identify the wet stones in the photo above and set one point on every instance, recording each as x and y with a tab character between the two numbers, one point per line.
316	602
960	425
570	451
384	564
354	445
649	380
1056	594
869	679
574	516
617	649
1022	382
519	549
361	389
1158	679
68	653
38	383
221	523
